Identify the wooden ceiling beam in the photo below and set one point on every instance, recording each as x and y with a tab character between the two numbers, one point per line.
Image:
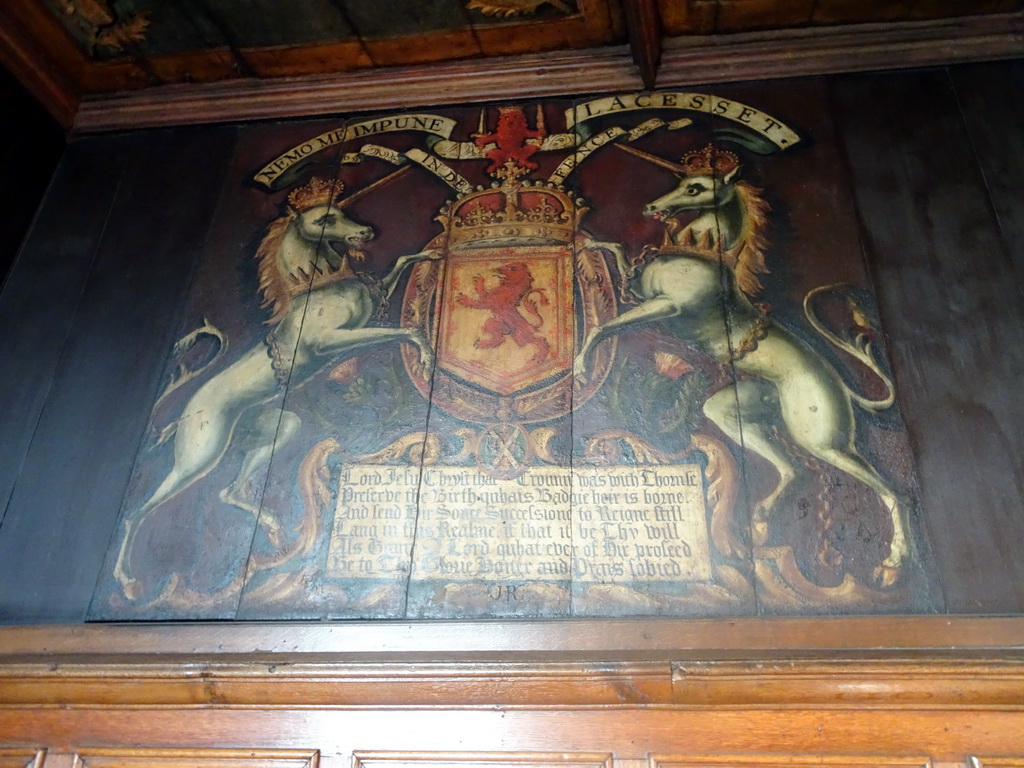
643	20
848	48
466	81
685	61
28	51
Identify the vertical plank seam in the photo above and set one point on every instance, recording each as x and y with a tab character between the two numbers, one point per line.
67	333
336	187
175	327
439	326
989	192
339	6
572	391
744	453
919	519
241	62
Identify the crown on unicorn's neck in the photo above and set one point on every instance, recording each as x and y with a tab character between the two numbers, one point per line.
314	193
710	162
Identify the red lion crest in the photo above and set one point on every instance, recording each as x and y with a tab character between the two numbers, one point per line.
508	142
513	292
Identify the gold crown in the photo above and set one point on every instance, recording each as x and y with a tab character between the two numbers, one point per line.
315	192
710	161
516	213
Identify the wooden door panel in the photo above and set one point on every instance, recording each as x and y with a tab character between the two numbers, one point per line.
785	761
18	757
481	760
196	758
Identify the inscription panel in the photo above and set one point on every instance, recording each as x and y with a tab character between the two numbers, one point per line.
614	524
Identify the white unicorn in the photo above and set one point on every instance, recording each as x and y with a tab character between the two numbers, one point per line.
320	311
698	285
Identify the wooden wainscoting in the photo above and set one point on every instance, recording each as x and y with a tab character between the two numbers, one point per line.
21	757
883	692
257	758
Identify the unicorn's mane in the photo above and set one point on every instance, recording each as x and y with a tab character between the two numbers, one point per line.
274	285
283	275
746	258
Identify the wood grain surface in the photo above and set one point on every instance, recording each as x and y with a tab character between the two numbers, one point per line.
1000	152
951	305
938	237
622	639
685	61
625	732
118	700
61	246
74	472
97	298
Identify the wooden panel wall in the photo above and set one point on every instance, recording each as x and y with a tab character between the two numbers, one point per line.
951	304
627	735
61	247
93	302
28	158
612	695
95	295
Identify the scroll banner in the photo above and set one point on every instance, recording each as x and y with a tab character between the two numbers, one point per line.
439	129
470	150
559	175
434	125
423	159
439	169
418	156
775	132
372	150
705	103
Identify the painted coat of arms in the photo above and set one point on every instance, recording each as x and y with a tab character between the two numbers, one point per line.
531	361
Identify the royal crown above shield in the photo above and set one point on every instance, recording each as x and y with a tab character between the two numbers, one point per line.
515	212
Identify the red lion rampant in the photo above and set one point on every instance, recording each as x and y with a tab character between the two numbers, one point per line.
514	290
510	140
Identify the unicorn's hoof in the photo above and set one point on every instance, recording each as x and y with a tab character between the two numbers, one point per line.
759	526
886	576
132	588
275	533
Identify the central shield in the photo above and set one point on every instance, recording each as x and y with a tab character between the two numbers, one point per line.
518	285
506	316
